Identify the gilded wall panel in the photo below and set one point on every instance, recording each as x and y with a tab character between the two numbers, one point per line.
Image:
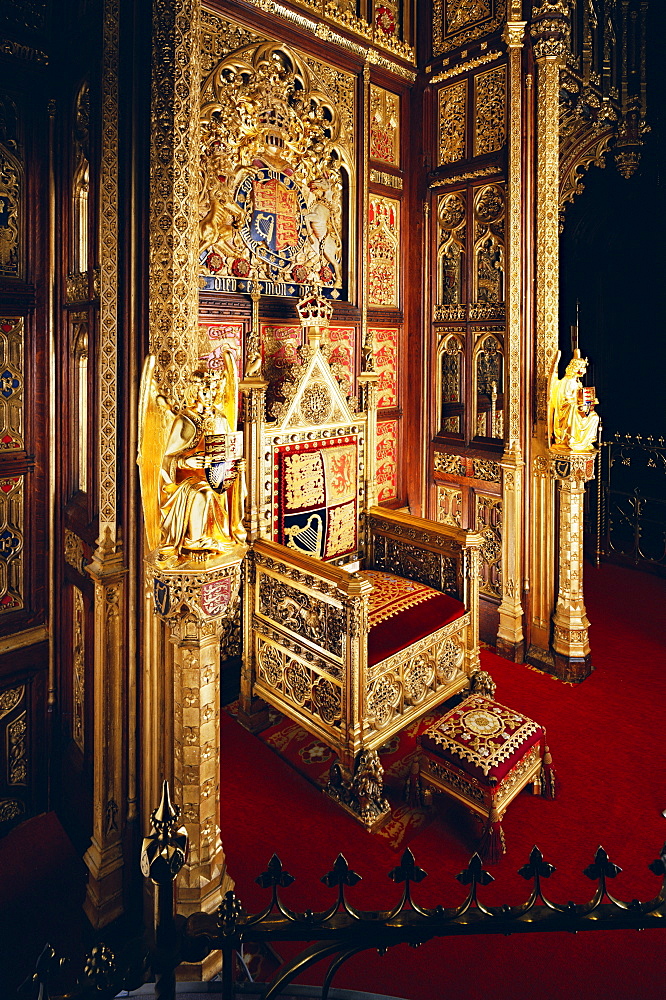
450	387
276	170
489	111
11	383
78	668
489	524
458	22
11	543
342	341
489	259
384	126
385	340
452	104
451	243
449	505
10	216
383	252
488	375
387	460
215	337
218	37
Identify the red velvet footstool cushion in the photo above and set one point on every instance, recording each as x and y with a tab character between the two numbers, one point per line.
483	738
403	611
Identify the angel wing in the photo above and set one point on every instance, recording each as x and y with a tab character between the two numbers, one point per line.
155	421
552	396
229	402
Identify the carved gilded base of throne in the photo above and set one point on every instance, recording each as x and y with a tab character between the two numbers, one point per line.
361	793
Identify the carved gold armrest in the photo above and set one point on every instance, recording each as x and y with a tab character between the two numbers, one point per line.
441	556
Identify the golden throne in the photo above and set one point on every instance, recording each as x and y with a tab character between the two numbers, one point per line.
357	619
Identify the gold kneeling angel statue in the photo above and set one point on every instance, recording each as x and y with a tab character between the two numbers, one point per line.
190	464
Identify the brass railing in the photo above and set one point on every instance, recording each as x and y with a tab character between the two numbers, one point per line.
342	930
631	501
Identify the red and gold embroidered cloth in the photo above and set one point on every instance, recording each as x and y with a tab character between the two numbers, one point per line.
392	594
403	611
482	738
316	490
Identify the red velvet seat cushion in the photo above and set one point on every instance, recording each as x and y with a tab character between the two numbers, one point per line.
482	738
402	612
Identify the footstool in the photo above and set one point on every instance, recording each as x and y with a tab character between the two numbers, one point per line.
483	754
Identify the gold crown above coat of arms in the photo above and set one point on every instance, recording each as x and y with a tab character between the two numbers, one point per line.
314	311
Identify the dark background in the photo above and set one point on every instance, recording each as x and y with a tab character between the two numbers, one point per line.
613	260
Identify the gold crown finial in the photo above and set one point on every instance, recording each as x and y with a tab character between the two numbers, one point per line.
314	311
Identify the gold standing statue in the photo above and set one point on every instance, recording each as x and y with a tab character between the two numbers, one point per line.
190	465
573	423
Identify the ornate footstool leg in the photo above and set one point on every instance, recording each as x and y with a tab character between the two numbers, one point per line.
416	793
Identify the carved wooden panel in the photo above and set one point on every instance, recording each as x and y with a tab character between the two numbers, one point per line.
214	336
12	372
489	524
12	543
489	111
387	460
386	364
452	123
384	126
383	252
22	728
342	341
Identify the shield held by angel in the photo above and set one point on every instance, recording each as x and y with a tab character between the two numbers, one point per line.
190	465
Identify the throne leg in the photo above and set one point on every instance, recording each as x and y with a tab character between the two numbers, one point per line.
361	793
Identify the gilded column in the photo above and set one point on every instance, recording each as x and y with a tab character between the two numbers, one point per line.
104	858
510	638
550	31
194	591
571	647
195	607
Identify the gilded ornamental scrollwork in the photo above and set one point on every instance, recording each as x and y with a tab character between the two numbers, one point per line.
276	150
456	23
303	614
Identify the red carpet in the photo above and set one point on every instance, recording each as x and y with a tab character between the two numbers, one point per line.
42	887
607	738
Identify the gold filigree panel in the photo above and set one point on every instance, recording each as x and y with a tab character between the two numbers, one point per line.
451	370
11	383
452	104
449	505
451	243
489	260
459	22
488	518
107	378
12	490
384	126
387	460
174	168
276	164
383	252
219	36
78	668
10	216
385	341
489	111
